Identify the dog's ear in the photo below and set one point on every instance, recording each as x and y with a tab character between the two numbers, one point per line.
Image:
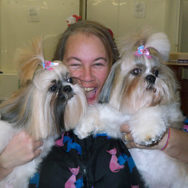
160	42
75	110
105	94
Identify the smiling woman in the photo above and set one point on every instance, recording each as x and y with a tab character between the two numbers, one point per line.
86	49
87	60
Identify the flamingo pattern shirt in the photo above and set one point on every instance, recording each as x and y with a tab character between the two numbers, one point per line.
95	162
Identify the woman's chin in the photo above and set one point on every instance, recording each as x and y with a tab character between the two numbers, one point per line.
92	98
91	101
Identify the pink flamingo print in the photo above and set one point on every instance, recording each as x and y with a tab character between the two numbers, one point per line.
114	165
59	142
71	181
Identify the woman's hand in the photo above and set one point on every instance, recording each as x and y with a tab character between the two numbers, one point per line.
20	150
174	143
131	144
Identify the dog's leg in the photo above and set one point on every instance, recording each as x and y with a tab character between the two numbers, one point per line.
101	118
150	124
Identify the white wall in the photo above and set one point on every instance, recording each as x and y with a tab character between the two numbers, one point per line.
125	16
8	84
22	20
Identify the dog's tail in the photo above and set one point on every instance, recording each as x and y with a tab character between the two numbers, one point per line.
29	60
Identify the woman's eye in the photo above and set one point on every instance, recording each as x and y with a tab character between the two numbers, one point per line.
98	64
75	65
136	71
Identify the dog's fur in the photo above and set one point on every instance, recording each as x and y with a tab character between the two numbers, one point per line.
43	107
143	93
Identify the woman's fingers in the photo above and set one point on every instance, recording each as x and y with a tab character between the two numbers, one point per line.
20	150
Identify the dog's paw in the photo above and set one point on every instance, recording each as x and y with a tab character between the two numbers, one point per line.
149	139
81	132
148	127
85	128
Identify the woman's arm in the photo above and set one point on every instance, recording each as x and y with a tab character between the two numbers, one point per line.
21	149
177	146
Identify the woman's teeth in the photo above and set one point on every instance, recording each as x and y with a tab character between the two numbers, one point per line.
88	89
90	92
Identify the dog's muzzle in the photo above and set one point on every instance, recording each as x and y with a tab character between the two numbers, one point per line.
68	92
150	79
67	89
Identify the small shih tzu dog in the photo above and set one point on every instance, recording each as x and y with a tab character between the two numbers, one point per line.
43	107
142	92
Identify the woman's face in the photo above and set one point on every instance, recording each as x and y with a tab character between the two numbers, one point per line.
86	57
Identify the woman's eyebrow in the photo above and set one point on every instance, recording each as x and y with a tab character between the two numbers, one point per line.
101	58
73	58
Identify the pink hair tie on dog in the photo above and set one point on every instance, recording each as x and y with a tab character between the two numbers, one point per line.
142	51
48	65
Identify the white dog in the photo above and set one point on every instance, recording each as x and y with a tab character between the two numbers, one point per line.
42	107
142	92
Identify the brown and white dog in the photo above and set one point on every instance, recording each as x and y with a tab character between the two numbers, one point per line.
43	107
142	92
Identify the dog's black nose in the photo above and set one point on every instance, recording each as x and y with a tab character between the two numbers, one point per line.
67	89
151	79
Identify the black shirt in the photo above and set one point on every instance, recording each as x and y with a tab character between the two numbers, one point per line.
94	162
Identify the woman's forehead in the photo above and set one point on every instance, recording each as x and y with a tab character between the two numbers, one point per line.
87	45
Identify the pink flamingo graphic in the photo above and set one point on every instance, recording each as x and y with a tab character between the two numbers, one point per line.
71	181
114	165
59	142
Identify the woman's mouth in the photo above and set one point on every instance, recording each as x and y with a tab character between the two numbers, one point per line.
90	93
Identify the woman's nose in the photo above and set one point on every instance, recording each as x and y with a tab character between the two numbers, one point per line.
87	74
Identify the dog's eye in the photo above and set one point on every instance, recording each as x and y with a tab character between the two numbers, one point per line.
55	85
136	71
53	88
156	72
69	80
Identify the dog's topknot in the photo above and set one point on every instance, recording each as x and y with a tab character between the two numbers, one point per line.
29	60
158	41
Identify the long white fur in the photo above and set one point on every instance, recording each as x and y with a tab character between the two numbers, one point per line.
101	118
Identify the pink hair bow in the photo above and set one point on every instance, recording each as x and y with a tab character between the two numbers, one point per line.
48	65
143	51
